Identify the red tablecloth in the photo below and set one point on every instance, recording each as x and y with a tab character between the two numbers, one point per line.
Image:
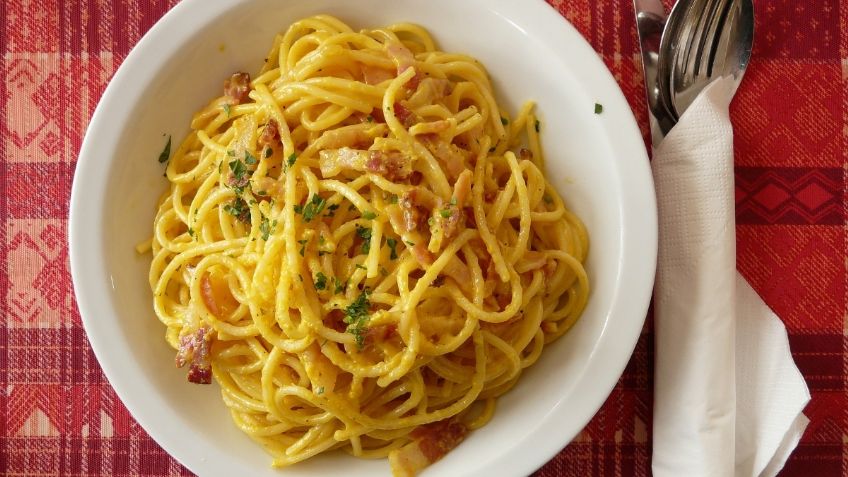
58	414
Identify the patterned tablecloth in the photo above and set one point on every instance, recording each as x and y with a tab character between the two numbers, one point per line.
58	414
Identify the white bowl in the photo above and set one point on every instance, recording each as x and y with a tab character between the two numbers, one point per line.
597	161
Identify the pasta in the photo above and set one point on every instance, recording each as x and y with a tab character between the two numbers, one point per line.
360	247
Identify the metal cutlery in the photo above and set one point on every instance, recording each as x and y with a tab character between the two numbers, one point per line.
700	41
703	40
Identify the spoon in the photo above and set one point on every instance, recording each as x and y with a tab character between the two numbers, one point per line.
704	40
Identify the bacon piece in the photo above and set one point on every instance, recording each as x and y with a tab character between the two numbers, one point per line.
335	320
416	204
374	75
430	443
264	187
403	59
391	165
430	90
351	136
333	161
421	254
461	192
379	334
237	87
270	136
452	157
531	260
194	351
415	178
404	115
216	296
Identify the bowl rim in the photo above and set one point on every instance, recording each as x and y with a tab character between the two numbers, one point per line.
639	215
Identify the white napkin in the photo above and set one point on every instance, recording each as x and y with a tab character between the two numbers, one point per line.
727	395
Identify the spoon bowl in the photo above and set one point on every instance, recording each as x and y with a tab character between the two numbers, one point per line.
704	40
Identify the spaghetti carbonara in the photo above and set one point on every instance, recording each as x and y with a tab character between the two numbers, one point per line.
360	246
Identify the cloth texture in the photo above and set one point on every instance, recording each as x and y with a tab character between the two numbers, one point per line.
58	414
727	392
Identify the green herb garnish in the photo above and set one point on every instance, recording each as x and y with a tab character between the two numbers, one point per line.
445	213
320	281
338	285
504	121
356	317
166	152
266	228
292	159
369	215
313	208
331	210
392	243
302	243
364	234
239	209
249	158
538	125
226	109
599	108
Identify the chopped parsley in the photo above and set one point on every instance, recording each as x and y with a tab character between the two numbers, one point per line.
504	121
393	199
302	243
239	209
364	234
361	267
599	108
331	210
239	179
538	125
445	213
392	243
548	199
370	118
268	152
369	215
249	158
166	152
191	231
266	228
313	208
226	107
409	242
356	317
338	285
298	208
231	153
320	281
292	159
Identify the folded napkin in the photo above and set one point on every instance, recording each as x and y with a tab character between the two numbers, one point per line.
727	395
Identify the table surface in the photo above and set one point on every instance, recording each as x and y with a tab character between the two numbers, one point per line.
58	414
